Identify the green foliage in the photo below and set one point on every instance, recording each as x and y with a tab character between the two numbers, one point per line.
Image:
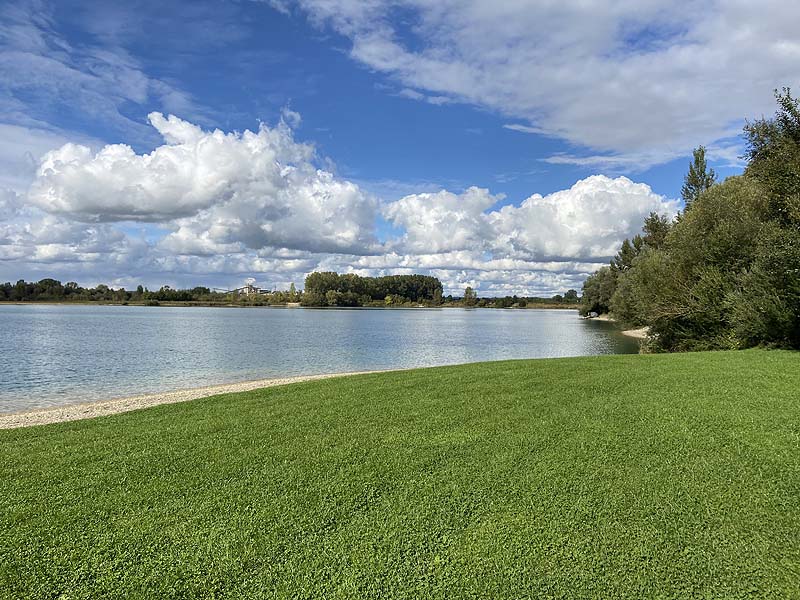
699	178
723	277
506	302
726	274
470	297
331	289
624	258
51	290
656	228
569	299
667	476
724	229
683	291
766	305
598	290
625	303
773	154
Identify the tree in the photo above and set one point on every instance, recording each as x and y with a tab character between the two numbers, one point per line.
698	179
766	305
655	229
686	294
627	252
598	290
773	154
470	297
333	297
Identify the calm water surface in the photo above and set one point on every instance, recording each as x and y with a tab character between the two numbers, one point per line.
59	354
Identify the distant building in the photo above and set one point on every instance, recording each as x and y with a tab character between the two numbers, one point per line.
251	290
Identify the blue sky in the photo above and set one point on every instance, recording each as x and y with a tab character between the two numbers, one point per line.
391	112
244	62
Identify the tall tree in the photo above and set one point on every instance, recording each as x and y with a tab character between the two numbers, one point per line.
698	179
627	252
773	153
470	297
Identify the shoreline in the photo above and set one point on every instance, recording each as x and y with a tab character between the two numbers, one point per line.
88	409
639	334
101	408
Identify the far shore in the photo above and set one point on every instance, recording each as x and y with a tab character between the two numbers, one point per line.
166	303
100	408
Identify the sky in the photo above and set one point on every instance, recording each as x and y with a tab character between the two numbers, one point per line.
509	146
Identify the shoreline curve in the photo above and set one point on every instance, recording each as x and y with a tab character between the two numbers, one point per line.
101	408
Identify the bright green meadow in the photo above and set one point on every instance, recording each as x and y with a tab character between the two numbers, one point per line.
653	476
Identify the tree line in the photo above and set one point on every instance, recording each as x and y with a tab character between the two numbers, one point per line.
322	289
52	290
725	273
569	299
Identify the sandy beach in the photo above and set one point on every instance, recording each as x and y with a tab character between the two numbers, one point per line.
88	410
604	317
639	334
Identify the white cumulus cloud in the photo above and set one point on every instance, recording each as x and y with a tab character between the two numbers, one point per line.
587	221
254	189
443	221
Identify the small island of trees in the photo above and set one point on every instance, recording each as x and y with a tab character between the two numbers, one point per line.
331	289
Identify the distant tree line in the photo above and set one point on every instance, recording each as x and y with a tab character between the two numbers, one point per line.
322	289
52	290
726	272
569	299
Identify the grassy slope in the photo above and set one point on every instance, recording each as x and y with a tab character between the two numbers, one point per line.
638	476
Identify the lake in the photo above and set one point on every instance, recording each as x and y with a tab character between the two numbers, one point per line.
60	354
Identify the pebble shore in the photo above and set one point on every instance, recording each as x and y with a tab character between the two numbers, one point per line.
89	410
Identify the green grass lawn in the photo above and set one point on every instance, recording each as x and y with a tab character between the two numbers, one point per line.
616	476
